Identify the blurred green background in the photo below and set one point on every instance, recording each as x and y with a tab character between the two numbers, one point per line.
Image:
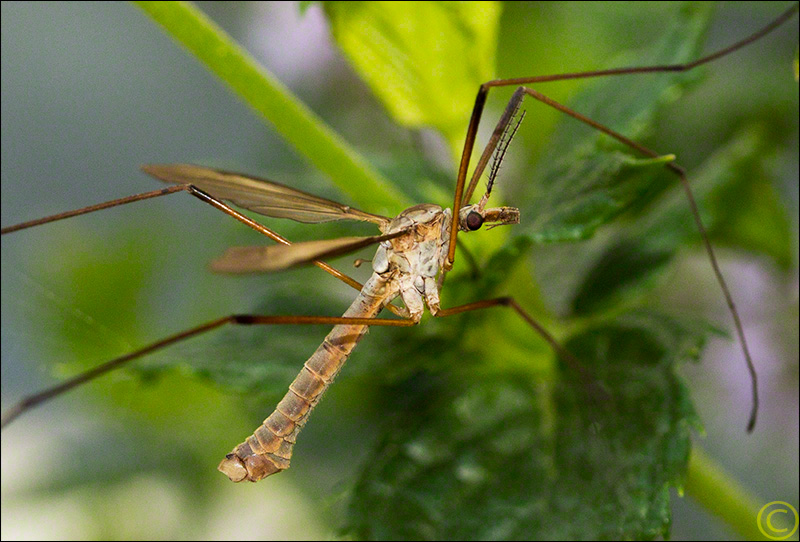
91	91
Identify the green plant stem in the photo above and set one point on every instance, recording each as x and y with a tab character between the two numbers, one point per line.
298	125
721	495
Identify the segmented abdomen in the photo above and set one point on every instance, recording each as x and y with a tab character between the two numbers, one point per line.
269	449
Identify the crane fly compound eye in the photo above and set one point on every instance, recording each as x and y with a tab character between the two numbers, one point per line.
474	221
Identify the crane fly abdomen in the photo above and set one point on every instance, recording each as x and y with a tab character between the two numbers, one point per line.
269	449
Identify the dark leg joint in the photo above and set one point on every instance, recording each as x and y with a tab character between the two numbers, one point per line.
243	319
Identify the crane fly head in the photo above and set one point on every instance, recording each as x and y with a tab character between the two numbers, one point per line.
472	217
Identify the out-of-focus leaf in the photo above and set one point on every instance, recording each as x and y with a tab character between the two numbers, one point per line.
620	270
499	457
739	208
584	178
745	209
427	69
733	174
74	310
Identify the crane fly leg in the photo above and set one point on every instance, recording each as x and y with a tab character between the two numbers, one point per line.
202	196
31	401
91	209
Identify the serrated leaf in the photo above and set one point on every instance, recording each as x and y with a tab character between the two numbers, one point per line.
501	457
619	180
427	69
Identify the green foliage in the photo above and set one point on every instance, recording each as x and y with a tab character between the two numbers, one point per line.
503	456
410	66
507	457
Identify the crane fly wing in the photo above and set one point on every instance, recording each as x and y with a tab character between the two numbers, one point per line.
258	259
260	195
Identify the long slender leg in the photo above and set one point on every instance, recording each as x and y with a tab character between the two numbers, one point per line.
92	208
31	401
681	173
462	196
202	196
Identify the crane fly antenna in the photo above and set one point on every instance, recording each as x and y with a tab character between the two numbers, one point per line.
500	153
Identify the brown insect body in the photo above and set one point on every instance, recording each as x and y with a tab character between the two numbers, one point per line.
405	266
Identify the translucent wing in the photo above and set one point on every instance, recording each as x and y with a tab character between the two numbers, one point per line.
260	195
241	260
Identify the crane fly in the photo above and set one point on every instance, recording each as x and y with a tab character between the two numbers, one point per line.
416	249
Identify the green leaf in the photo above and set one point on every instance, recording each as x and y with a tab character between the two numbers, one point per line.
259	361
621	270
427	69
584	178
615	181
501	457
745	209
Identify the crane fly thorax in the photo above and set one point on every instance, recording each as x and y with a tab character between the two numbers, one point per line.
415	258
